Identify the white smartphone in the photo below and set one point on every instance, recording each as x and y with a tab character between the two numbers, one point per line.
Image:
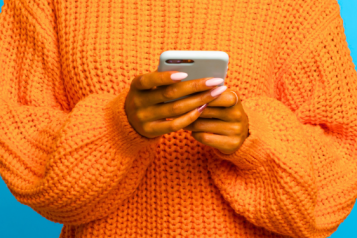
197	64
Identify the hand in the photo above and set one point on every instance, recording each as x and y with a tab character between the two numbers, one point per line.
146	111
230	128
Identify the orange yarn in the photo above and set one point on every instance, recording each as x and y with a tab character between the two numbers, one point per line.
68	151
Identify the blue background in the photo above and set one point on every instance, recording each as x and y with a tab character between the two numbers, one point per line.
17	220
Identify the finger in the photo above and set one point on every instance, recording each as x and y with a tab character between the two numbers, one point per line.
226	99
153	79
164	126
178	90
231	114
216	126
217	113
178	108
221	142
210	113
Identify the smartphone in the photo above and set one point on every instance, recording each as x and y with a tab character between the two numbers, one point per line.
197	64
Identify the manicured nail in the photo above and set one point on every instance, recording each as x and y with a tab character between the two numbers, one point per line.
201	108
218	91
178	76
214	82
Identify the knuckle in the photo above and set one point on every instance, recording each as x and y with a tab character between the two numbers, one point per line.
236	128
236	116
137	102
176	108
141	115
204	138
134	99
147	128
236	143
141	81
169	93
195	84
134	82
202	99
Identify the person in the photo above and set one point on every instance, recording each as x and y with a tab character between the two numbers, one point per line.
86	140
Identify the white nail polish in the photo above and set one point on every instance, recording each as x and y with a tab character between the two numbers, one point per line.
178	76
218	91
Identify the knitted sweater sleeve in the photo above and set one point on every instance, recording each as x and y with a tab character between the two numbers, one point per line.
70	166
296	173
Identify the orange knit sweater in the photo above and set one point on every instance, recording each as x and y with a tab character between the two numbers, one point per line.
68	151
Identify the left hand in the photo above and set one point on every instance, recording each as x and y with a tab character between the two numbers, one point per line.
229	128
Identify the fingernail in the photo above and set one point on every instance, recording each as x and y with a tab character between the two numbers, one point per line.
214	81
218	91
201	108
178	76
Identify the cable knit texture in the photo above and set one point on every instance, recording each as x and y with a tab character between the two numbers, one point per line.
68	151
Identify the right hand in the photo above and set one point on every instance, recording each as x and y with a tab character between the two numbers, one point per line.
146	111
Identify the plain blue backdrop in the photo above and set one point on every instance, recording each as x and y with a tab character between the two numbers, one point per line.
17	220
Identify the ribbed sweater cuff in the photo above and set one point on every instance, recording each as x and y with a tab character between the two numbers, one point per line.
128	138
